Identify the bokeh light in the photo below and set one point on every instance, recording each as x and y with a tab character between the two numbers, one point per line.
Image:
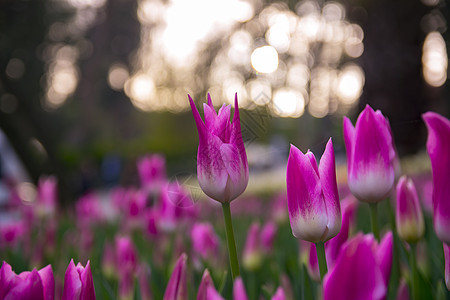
434	59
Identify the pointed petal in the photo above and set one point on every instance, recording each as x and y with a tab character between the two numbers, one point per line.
235	168
88	292
222	125
201	127
7	279
72	283
48	282
176	288
210	101
239	290
204	284
307	210
438	147
371	175
327	173
29	286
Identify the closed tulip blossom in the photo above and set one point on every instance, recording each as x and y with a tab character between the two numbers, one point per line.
152	171
78	282
362	270
205	284
27	285
176	287
371	156
313	200
438	147
408	214
205	241
222	167
127	263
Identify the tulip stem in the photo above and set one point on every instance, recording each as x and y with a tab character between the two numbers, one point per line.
374	220
414	272
234	264
320	248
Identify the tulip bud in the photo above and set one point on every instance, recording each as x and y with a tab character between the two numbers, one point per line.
204	284
408	213
152	171
47	196
176	288
126	259
204	240
222	167
313	200
447	265
27	285
78	282
371	156
239	290
252	256
268	234
438	147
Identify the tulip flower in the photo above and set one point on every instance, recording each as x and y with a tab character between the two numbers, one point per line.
152	171
204	284
205	241
447	265
239	292
268	234
47	196
362	270
213	294
279	294
222	167
127	263
252	256
313	200
27	285
438	147
408	213
78	282
176	288
370	156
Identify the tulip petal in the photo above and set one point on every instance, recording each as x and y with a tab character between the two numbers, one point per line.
384	256
307	211
48	282
29	286
327	173
438	147
176	288
447	265
371	173
204	284
72	283
88	292
201	127
279	294
239	290
235	169
7	279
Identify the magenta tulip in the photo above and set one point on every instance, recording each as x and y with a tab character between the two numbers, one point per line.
362	270
205	241
408	213
152	171
371	156
176	288
438	147
47	196
222	167
202	292
78	282
313	200
239	292
252	256
268	235
279	294
27	285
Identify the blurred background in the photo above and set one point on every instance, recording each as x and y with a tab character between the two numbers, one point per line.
88	86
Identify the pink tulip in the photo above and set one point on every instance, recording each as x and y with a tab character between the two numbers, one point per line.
27	285
447	265
213	294
313	200
152	171
127	262
204	284
252	256
408	213
239	292
268	234
47	196
205	241
279	294
78	282
438	147
222	167
371	156
176	288
362	270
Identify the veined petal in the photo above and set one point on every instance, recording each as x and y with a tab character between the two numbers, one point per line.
236	169
371	175
48	282
210	115
306	206
222	125
279	294
438	147
327	173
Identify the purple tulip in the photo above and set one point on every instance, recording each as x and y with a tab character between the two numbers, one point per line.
362	270
204	284
447	265
205	241
222	167
313	200
279	294
176	288
408	213
438	147
78	282
27	285
239	292
152	171
371	156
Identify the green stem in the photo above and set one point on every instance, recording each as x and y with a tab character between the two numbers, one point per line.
320	248
230	240
414	271
374	220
